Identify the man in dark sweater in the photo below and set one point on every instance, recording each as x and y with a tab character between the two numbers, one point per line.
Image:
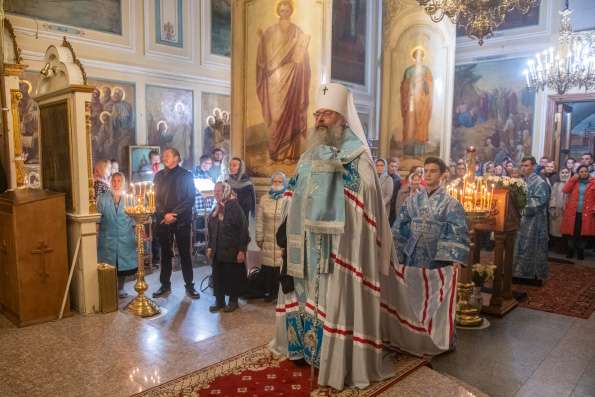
174	197
393	171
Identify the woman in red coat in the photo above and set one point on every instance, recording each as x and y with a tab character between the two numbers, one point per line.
579	213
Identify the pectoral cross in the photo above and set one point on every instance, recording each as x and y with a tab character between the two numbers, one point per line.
42	249
324	90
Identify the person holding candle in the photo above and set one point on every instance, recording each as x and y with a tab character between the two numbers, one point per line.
174	194
116	244
531	248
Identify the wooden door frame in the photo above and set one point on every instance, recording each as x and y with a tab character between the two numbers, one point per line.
551	144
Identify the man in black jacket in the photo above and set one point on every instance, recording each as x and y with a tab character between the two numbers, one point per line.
174	196
393	171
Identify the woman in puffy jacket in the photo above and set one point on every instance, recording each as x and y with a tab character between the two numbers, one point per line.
268	219
579	213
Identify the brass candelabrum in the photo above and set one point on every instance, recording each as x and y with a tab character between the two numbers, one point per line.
140	206
477	199
468	313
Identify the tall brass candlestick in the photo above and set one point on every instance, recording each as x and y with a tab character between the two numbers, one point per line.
141	305
466	314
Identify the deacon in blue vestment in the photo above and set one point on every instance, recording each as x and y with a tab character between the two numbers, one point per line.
116	242
431	230
531	248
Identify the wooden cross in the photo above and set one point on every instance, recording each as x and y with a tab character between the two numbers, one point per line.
324	90
42	250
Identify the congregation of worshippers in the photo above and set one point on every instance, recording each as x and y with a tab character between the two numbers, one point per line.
305	226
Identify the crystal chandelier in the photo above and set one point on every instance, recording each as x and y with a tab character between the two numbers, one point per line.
571	65
479	18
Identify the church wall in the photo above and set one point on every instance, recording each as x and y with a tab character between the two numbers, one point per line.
139	56
521	43
191	55
365	92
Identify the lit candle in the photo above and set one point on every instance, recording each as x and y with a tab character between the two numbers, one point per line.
144	191
475	195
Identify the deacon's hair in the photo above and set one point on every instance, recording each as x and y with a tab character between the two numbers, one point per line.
529	158
153	153
217	149
114	160
173	151
439	162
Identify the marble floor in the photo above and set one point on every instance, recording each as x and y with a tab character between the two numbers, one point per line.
527	353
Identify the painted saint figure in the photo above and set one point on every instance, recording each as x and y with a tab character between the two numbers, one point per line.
29	114
416	104
282	83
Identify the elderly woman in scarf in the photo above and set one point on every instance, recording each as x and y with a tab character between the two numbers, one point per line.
242	186
268	219
386	183
409	189
228	242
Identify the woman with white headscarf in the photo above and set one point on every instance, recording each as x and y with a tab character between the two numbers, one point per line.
386	183
228	242
268	219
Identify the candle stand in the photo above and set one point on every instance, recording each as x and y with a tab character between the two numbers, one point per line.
140	206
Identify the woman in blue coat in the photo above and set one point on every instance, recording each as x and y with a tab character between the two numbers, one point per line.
116	244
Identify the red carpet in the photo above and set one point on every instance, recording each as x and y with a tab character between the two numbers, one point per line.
569	290
259	373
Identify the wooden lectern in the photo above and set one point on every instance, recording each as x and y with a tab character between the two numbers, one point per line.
504	224
33	255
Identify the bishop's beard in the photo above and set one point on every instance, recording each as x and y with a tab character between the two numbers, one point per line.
329	136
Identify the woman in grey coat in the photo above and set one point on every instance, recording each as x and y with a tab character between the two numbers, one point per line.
386	183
